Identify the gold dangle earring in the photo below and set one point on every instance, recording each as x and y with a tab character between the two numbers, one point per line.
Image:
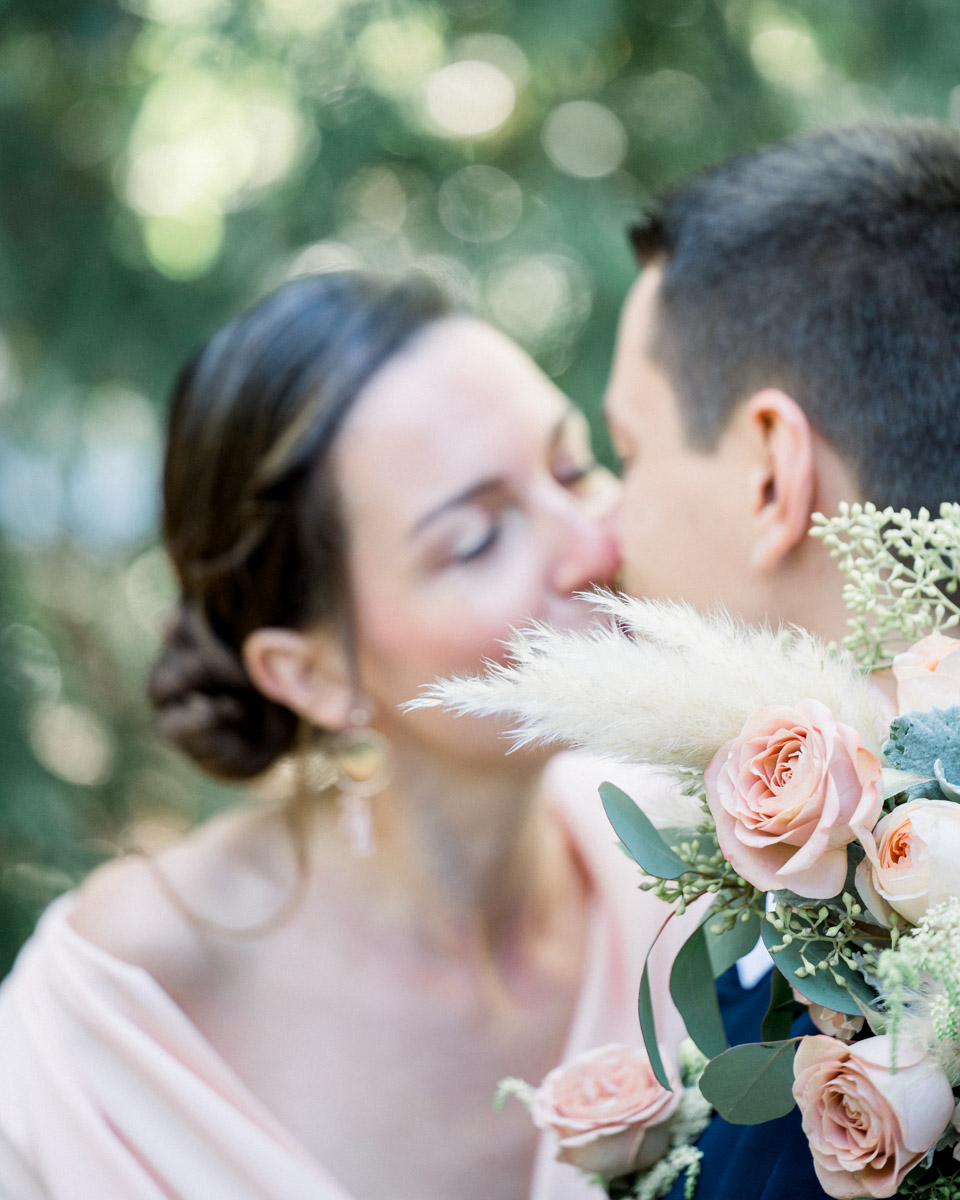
361	757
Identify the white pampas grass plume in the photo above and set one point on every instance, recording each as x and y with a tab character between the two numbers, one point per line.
660	683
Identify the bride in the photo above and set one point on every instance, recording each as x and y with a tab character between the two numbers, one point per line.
315	994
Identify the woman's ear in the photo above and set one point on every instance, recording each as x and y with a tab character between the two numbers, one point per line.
307	672
785	478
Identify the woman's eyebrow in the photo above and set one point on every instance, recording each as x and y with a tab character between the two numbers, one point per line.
476	490
487	487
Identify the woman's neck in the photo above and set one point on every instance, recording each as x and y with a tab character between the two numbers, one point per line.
466	863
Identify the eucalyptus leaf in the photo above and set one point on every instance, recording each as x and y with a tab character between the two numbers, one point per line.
781	1011
820	987
640	836
694	994
750	1084
725	948
648	1027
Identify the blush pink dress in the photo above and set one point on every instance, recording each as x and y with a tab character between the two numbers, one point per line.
108	1092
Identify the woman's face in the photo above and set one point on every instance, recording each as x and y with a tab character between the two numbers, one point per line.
472	505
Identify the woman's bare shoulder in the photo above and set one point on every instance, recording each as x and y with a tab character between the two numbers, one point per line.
153	910
166	911
123	909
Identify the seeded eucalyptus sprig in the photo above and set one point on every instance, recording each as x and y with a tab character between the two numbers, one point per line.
709	874
929	1185
901	571
824	936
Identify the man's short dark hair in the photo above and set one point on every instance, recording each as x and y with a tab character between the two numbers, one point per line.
828	266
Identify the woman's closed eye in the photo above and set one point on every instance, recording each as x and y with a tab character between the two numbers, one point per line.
472	533
571	476
476	544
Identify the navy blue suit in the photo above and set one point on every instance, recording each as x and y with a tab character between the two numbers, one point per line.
753	1162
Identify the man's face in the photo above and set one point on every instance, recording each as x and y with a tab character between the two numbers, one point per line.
684	519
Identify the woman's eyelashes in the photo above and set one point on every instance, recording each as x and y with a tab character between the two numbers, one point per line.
476	546
570	476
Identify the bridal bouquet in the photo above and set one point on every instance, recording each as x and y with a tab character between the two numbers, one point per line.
825	824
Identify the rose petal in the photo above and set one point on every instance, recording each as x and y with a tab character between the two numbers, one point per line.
937	824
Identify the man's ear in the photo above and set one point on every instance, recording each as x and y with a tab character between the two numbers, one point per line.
307	672
784	486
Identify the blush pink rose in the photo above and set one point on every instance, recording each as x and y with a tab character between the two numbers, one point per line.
607	1109
915	864
868	1125
928	674
789	795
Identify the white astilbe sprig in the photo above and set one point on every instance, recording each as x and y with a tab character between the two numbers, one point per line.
660	683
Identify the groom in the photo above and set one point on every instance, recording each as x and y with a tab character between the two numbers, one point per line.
793	341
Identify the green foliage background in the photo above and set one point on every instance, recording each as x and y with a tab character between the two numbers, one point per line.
163	162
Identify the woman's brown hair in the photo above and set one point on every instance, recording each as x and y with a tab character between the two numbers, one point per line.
251	515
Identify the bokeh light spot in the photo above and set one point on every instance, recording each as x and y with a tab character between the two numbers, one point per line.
480	204
71	742
396	54
202	143
788	55
373	198
584	139
469	99
668	106
539	298
184	247
149	589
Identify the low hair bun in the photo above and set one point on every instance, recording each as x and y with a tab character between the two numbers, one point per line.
208	707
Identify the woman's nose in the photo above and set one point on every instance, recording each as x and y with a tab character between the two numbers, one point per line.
587	550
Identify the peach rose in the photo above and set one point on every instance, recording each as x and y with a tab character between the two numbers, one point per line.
867	1125
607	1109
914	866
827	1020
789	794
928	674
